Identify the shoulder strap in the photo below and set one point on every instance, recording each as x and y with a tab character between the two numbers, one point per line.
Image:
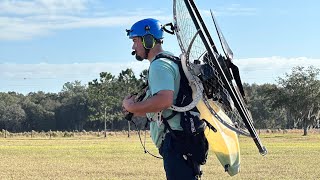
168	56
185	92
184	96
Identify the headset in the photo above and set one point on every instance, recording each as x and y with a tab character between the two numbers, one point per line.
148	41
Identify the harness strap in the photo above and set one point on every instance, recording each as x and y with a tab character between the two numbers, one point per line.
178	62
167	127
163	55
171	116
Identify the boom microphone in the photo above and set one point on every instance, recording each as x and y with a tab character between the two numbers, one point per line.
139	58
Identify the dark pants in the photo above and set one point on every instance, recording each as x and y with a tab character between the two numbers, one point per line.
176	167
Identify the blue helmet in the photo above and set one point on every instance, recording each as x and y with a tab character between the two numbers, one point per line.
146	26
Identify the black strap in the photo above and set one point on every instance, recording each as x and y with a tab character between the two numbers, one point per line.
171	115
167	56
175	60
178	62
236	74
167	127
210	126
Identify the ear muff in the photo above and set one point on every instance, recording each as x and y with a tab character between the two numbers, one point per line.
148	41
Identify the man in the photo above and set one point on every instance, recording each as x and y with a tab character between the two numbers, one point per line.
163	84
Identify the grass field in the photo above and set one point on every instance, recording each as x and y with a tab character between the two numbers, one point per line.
291	156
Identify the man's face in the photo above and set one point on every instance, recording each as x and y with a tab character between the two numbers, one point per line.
138	47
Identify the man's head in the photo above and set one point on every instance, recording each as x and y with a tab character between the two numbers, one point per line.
146	34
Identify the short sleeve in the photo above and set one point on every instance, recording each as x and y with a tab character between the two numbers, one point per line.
162	75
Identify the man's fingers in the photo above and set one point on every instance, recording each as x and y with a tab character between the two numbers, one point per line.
130	96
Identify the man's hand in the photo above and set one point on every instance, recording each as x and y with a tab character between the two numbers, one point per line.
128	102
160	101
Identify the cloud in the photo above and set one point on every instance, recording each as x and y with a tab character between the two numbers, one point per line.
275	63
25	78
231	10
268	69
24	20
75	70
19	7
20	20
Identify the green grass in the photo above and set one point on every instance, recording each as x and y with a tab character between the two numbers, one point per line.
291	156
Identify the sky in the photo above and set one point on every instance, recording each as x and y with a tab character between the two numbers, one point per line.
46	43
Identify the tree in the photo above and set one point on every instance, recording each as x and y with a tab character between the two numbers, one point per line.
299	94
8	99
101	98
264	116
37	117
12	117
11	113
73	111
106	95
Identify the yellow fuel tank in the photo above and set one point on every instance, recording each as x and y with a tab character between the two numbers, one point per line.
224	143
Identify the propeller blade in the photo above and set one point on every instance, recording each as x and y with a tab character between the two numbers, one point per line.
226	49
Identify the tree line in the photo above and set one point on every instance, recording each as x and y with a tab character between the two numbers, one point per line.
293	102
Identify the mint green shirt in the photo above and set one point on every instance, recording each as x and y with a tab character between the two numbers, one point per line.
163	75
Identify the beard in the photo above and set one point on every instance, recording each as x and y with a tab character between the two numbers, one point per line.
139	58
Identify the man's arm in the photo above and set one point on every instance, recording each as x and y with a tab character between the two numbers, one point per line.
160	101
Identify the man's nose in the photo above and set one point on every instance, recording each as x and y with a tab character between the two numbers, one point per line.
134	45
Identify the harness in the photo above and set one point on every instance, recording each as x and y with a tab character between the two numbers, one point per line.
184	96
196	144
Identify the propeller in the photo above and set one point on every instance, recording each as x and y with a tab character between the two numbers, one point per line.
226	49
